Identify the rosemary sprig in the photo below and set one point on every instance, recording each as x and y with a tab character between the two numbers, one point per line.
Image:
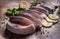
36	2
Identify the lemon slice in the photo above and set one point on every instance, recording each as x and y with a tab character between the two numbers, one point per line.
50	20
53	16
25	4
46	24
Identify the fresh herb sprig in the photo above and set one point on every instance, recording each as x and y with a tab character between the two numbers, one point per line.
14	11
36	2
59	10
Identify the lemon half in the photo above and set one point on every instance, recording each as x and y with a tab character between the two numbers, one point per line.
46	24
25	4
53	16
50	20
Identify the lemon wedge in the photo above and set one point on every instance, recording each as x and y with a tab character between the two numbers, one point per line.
53	16
50	20
25	4
46	24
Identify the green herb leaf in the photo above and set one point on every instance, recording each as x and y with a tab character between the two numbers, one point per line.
14	11
34	4
59	11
